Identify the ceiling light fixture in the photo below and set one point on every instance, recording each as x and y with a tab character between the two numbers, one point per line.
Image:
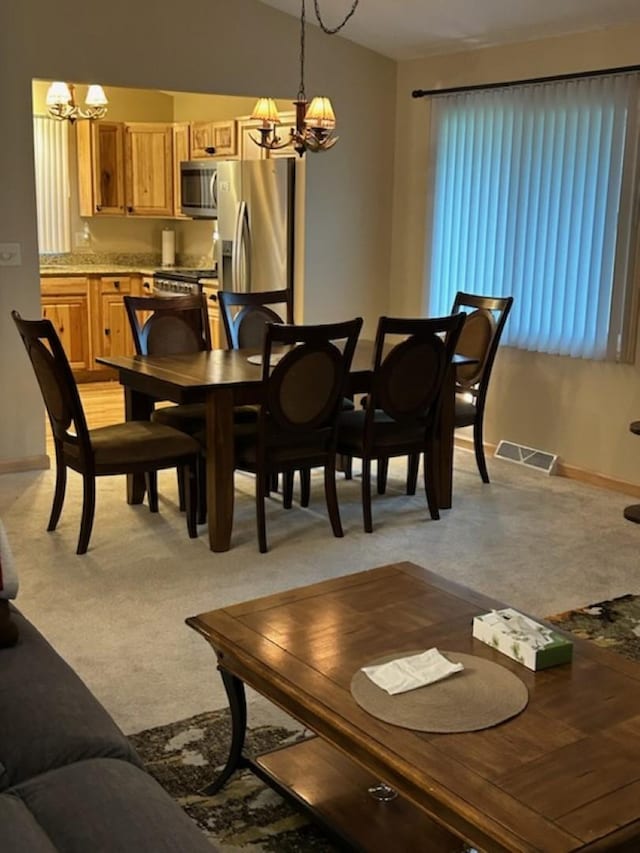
61	102
315	121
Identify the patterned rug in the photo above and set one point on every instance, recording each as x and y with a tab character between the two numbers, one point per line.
247	816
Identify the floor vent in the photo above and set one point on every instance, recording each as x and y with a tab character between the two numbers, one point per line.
529	456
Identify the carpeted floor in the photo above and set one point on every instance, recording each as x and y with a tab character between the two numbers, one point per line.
248	816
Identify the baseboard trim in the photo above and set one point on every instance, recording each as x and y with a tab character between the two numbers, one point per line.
571	472
25	463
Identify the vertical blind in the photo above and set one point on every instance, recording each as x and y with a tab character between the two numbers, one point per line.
528	201
51	153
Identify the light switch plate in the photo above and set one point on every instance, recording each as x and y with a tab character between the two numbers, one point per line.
10	255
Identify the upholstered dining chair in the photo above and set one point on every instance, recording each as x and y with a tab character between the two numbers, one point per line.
171	325
401	412
123	448
297	420
480	337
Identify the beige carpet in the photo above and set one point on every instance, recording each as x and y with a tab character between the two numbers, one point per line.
117	614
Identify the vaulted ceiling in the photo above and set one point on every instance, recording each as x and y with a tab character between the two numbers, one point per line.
409	29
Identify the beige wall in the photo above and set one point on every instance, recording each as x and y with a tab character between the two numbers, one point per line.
576	408
228	48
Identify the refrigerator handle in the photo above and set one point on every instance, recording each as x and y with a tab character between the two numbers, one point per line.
246	248
213	187
236	251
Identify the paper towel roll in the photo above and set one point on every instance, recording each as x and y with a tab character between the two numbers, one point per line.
168	247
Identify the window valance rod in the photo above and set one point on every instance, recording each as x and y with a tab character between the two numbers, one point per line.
425	93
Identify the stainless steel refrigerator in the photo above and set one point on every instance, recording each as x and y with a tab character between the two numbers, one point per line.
255	224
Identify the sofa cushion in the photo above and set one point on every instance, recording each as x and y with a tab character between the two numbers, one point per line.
19	830
108	806
48	717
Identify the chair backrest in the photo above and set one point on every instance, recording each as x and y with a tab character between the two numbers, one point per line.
480	338
245	315
410	362
169	325
305	383
56	381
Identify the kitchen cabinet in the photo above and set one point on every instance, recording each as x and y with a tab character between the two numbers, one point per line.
65	301
181	151
100	152
110	325
219	135
148	150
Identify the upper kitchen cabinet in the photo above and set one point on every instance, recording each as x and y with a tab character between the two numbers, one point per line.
217	136
100	167
248	131
181	151
149	177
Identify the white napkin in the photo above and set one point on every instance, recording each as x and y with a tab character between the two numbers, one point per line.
403	674
273	360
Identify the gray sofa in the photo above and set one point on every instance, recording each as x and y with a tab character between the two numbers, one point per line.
69	779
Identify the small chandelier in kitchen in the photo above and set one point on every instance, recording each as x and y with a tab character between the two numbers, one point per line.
315	121
61	102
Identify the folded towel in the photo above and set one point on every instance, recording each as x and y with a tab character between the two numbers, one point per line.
408	673
8	573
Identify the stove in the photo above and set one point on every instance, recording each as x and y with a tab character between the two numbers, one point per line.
177	281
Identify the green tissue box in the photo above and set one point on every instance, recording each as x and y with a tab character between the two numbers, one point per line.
522	639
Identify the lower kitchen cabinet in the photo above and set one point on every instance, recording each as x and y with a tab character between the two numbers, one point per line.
65	301
215	324
110	327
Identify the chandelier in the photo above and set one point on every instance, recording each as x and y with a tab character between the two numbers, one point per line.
61	102
315	121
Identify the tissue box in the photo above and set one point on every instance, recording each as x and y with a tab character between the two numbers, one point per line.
515	635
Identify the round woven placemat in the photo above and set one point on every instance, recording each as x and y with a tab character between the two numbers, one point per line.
482	695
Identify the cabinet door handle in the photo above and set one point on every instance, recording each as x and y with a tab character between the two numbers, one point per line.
129	209
146	285
116	284
98	208
107	331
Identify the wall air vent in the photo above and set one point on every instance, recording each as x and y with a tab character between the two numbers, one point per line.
529	456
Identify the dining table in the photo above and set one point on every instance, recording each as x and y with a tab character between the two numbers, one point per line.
223	379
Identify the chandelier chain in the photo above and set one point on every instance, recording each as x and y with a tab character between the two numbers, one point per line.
333	30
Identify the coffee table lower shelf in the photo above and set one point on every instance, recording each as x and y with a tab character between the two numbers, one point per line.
334	790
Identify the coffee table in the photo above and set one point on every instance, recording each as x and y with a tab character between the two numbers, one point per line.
564	775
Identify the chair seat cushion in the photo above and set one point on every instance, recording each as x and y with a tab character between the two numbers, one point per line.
387	432
188	418
135	443
465	412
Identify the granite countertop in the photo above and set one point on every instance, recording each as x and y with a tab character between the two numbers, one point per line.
96	269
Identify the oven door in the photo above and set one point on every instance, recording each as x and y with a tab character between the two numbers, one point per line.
199	189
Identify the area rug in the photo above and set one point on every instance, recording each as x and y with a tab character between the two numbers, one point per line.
248	817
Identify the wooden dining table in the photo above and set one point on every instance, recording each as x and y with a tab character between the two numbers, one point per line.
223	379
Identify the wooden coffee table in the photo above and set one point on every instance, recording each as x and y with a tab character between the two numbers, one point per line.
563	775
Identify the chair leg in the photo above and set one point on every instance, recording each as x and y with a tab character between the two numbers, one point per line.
88	512
287	489
345	464
381	479
366	495
58	497
331	497
182	504
431	482
260	514
151	479
478	444
305	486
190	478
201	485
413	463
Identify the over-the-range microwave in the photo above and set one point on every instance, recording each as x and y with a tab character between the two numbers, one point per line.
199	189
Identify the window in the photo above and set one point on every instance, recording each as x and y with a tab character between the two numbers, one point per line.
535	188
51	154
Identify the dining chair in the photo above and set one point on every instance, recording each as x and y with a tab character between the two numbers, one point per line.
401	411
123	448
172	325
479	340
297	420
244	318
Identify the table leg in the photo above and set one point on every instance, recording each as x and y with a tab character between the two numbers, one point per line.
238	706
220	465
445	440
137	407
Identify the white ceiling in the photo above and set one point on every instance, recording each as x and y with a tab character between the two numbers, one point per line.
409	29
